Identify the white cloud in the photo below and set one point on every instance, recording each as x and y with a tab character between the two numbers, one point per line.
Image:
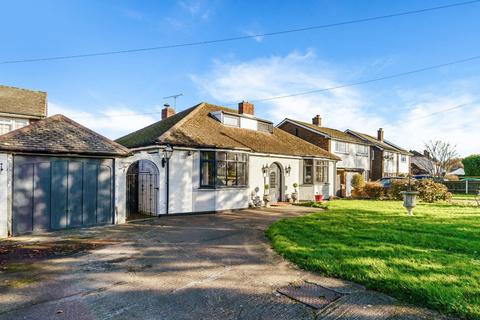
405	118
112	122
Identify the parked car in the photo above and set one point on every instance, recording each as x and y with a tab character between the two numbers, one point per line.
387	181
422	176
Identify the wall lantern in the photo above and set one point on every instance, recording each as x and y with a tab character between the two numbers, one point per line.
265	169
288	169
1	167
167	154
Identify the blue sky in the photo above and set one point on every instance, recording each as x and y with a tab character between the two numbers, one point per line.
100	91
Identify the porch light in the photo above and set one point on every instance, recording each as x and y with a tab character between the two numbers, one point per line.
265	168
1	167
167	154
288	169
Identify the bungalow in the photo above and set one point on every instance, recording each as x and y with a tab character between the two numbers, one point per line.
209	158
20	107
354	152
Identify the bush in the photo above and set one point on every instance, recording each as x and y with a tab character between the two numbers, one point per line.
430	191
452	177
313	204
397	186
373	190
471	165
358	182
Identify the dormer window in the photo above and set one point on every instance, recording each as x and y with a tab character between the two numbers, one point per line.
231	121
265	127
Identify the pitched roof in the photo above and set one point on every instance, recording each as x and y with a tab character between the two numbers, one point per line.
60	135
329	132
385	144
29	103
195	127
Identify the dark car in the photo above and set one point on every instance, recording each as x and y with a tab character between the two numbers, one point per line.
422	176
387	181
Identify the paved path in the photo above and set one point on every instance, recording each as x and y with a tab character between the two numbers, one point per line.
186	267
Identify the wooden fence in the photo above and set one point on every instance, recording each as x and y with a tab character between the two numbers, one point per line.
464	186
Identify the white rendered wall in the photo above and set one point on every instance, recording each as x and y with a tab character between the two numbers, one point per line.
120	191
351	159
246	123
404	167
181	182
5	192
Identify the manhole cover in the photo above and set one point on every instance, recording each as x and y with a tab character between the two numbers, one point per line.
311	294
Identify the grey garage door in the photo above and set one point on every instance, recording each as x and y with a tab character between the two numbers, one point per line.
51	193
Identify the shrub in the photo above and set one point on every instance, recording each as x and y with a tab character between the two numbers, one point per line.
313	204
397	186
373	190
358	182
430	191
471	165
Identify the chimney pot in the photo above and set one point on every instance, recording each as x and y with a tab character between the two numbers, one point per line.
317	120
380	134
246	108
167	111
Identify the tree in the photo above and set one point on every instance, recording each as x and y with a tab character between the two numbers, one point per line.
439	157
472	165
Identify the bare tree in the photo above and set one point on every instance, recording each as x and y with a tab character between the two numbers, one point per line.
438	157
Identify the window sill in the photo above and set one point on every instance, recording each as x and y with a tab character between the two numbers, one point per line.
222	188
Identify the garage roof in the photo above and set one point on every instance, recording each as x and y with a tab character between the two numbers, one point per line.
60	135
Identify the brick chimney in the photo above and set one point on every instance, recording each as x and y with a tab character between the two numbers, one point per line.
246	108
380	134
167	111
317	120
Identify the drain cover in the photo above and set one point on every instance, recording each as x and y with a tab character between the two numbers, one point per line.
311	294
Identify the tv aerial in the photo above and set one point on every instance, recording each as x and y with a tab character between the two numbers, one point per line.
175	96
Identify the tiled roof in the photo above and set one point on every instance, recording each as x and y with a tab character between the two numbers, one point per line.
60	135
195	127
329	132
381	144
23	102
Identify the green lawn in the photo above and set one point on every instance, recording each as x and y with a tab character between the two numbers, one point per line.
431	259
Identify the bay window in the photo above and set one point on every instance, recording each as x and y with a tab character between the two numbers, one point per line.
315	171
223	169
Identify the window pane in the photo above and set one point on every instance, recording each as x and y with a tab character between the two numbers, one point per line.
308	171
221	156
231	156
241	174
273	180
221	173
231	121
207	174
4	128
207	155
231	174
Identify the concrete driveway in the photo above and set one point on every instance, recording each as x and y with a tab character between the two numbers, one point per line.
186	267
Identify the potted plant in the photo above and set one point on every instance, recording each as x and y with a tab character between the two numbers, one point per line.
295	193
266	195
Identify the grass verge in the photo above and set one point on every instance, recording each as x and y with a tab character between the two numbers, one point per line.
431	259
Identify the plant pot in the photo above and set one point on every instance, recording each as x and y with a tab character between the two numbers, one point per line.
409	200
267	199
294	197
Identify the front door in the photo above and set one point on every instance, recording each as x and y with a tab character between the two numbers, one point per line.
275	183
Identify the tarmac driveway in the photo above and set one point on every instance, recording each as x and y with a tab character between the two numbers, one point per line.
185	267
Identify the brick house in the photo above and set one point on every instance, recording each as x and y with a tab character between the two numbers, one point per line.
20	107
387	159
354	151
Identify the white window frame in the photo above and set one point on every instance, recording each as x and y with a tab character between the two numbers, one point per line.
337	143
231	118
362	150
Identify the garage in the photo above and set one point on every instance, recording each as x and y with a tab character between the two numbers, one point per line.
51	193
62	176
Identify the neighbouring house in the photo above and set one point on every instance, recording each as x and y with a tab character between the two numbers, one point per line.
421	163
57	174
20	107
354	152
387	159
209	158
